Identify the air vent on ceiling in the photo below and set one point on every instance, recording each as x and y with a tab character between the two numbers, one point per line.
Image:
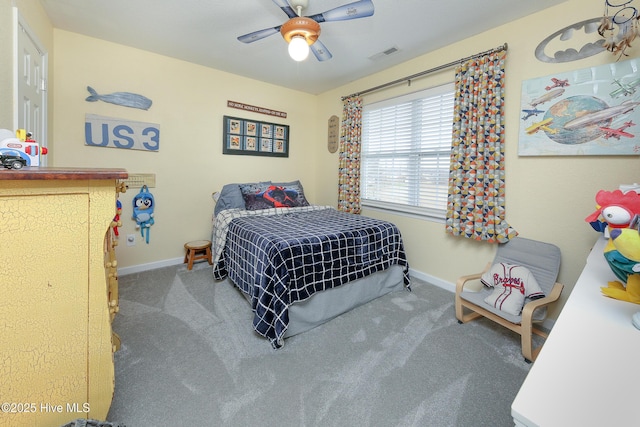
384	53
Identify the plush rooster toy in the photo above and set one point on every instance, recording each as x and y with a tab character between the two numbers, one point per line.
618	212
615	209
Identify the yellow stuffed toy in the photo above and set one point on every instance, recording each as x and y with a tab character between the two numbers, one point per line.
627	242
622	252
631	293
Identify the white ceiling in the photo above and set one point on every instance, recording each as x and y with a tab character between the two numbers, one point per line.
205	32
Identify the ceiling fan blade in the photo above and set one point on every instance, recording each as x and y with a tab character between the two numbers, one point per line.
357	9
259	35
286	8
320	51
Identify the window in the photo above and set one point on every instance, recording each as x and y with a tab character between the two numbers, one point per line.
406	147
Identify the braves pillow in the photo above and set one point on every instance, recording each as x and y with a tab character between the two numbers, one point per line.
511	284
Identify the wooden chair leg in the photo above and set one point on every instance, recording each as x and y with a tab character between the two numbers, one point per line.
527	347
460	315
529	352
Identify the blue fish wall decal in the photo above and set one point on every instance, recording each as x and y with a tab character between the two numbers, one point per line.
125	99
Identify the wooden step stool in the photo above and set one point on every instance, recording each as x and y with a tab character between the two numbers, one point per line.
196	250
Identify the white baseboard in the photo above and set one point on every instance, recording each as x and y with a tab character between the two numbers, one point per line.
448	286
149	266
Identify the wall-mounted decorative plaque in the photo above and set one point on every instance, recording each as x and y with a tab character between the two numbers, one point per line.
333	134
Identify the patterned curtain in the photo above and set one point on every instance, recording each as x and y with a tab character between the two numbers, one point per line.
349	157
475	205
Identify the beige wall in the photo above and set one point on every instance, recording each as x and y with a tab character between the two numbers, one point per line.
547	197
188	104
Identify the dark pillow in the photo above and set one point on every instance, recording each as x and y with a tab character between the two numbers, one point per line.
252	196
295	186
288	184
231	197
265	196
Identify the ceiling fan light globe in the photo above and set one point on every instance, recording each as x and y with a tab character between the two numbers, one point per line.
298	48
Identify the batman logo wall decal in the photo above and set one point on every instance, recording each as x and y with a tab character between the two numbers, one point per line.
571	53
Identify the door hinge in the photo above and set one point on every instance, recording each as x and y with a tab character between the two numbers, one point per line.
43	85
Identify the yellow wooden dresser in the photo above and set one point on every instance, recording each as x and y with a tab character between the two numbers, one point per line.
57	266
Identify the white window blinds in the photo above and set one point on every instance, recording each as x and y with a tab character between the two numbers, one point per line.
406	146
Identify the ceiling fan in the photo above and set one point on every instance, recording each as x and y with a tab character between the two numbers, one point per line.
302	32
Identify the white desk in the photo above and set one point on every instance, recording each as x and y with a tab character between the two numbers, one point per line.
588	372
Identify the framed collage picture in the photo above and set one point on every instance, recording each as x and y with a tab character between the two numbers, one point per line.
254	138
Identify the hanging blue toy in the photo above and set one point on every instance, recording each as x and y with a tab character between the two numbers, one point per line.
143	205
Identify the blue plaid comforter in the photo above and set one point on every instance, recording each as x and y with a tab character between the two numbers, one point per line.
280	256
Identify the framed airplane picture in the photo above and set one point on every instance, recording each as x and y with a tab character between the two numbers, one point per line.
254	138
592	111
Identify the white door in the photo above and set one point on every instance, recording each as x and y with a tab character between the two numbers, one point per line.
31	76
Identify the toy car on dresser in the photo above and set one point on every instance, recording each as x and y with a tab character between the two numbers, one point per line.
10	161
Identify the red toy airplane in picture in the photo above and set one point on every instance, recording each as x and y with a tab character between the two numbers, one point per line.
617	133
557	83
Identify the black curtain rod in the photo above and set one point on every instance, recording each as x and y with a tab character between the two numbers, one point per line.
423	73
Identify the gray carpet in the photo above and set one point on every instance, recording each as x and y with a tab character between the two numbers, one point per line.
189	356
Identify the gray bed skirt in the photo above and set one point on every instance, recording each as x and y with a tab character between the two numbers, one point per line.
324	306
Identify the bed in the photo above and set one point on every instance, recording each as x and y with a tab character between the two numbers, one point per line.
300	265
